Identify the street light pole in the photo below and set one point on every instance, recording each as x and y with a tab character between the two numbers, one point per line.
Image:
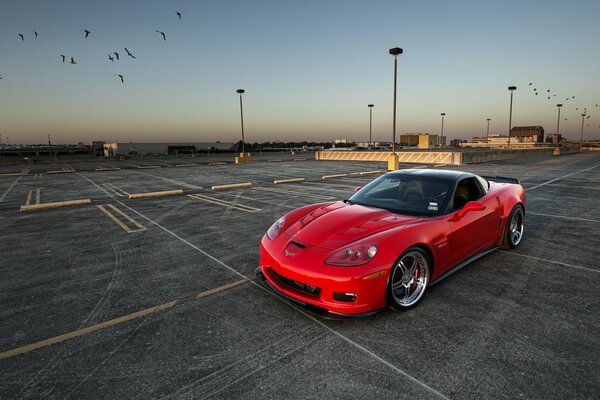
442	135
487	134
240	92
370	124
395	52
511	89
581	139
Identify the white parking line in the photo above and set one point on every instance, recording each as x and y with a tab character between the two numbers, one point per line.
258	285
551	261
563	217
562	177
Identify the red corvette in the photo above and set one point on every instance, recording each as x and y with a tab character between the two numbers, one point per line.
385	245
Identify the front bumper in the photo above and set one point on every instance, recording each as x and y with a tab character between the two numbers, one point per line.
309	283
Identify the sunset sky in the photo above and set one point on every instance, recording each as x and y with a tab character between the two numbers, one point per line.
309	68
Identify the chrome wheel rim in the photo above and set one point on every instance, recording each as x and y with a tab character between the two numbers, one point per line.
409	278
516	227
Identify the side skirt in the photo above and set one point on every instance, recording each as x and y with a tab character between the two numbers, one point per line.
462	264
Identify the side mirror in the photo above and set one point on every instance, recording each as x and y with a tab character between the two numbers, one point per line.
356	189
470	206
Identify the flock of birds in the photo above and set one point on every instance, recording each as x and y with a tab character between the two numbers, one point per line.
112	57
549	94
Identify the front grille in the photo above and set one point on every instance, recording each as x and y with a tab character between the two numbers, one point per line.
303	287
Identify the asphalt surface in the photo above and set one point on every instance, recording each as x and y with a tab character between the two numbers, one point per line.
91	308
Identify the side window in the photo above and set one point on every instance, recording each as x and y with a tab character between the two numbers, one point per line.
466	190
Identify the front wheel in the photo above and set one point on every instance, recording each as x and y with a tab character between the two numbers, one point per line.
409	279
513	233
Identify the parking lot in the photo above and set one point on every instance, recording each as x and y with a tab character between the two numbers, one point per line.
155	297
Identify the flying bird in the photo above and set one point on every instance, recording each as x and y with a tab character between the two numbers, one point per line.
534	89
87	33
178	14
128	53
163	34
573	97
0	76
548	91
530	83
35	33
120	76
73	61
63	57
111	58
22	37
548	97
116	55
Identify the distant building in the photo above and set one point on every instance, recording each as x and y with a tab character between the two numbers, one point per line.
527	133
410	139
134	148
427	141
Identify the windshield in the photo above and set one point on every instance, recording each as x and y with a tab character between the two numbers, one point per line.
405	194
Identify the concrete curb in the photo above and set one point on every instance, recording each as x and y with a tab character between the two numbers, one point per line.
232	186
156	194
291	180
333	176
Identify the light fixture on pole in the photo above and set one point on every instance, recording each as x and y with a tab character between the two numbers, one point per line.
556	150
393	159
511	89
442	134
487	134
370	125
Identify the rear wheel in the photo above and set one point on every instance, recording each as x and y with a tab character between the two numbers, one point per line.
409	279
513	233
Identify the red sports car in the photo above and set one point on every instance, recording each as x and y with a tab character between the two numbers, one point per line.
384	246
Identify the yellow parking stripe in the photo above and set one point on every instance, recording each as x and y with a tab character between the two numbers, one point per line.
30	195
115	190
116	321
112	216
28	198
224	203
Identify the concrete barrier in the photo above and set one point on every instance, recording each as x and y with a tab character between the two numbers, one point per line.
42	206
156	194
419	157
291	180
232	186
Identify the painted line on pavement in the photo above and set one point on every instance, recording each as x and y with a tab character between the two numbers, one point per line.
224	203
563	217
562	177
104	209
116	321
551	261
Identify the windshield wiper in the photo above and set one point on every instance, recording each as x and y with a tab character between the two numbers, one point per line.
348	201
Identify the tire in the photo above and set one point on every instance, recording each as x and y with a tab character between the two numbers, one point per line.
409	279
513	232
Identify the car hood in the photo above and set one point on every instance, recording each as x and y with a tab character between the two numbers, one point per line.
338	224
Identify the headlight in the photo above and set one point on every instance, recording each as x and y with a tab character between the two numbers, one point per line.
354	255
275	228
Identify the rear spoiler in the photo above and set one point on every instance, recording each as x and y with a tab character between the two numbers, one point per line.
501	179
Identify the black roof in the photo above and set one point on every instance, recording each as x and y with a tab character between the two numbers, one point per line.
434	173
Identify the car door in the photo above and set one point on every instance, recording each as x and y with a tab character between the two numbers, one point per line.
476	230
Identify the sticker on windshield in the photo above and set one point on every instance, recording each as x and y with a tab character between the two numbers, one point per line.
433	206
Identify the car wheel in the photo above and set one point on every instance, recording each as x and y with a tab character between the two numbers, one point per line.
409	279
513	233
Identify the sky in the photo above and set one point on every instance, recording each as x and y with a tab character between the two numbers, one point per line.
309	69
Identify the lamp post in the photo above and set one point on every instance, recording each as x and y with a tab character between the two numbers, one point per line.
393	159
581	139
395	52
487	134
511	89
442	134
556	151
240	92
370	124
